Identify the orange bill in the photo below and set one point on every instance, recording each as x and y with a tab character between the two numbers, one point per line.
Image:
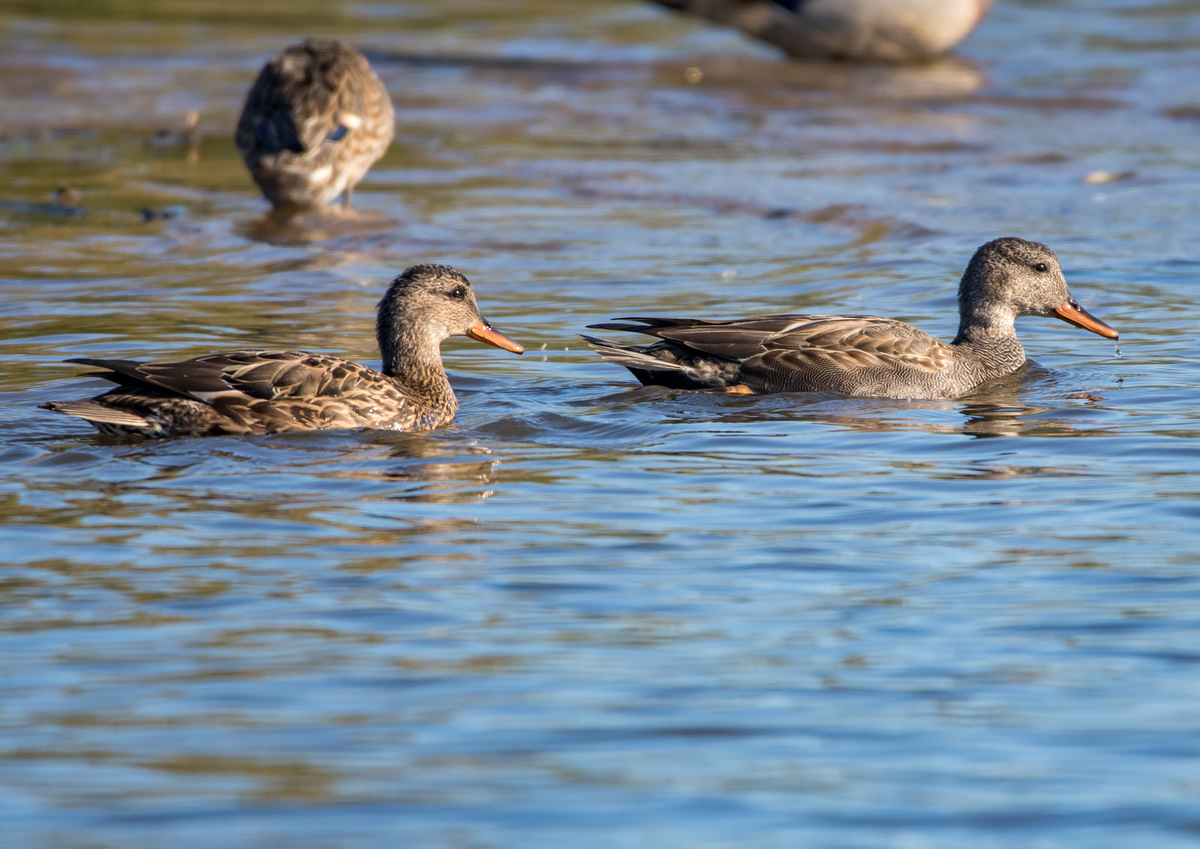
481	331
1070	312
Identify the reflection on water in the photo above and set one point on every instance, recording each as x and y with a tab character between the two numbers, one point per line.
589	612
286	228
801	83
1003	407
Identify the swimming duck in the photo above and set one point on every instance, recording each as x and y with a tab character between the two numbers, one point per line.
862	355
316	119
860	30
258	391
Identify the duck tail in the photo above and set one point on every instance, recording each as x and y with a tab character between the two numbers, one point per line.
667	364
104	419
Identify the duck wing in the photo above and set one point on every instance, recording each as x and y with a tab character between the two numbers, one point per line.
270	123
252	374
850	354
734	339
313	97
296	102
267	391
691	353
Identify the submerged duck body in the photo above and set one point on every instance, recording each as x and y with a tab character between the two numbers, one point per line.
315	121
862	355
857	30
260	391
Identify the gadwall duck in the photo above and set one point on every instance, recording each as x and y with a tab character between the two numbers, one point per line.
316	119
862	355
256	391
859	30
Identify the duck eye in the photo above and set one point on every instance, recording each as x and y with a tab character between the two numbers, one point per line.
1041	266
458	293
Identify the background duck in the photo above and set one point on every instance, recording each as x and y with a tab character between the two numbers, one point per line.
315	121
258	391
859	30
863	355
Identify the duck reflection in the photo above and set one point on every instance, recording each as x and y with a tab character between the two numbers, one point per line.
429	470
331	481
765	81
1005	407
290	227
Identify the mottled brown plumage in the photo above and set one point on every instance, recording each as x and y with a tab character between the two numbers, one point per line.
258	391
316	119
862	355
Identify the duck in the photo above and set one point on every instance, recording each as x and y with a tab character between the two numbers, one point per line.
862	355
314	122
847	30
258	391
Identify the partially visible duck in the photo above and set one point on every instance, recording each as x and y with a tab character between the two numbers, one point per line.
315	121
857	30
258	391
862	355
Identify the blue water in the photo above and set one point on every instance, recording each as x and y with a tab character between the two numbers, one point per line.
589	613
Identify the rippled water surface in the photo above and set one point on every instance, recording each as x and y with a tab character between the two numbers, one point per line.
593	614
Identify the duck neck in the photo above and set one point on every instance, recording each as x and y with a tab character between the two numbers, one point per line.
415	362
992	340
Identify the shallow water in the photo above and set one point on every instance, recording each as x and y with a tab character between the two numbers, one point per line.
592	612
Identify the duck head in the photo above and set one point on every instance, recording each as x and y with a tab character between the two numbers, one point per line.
1010	277
424	306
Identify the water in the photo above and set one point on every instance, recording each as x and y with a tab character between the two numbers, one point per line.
590	612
